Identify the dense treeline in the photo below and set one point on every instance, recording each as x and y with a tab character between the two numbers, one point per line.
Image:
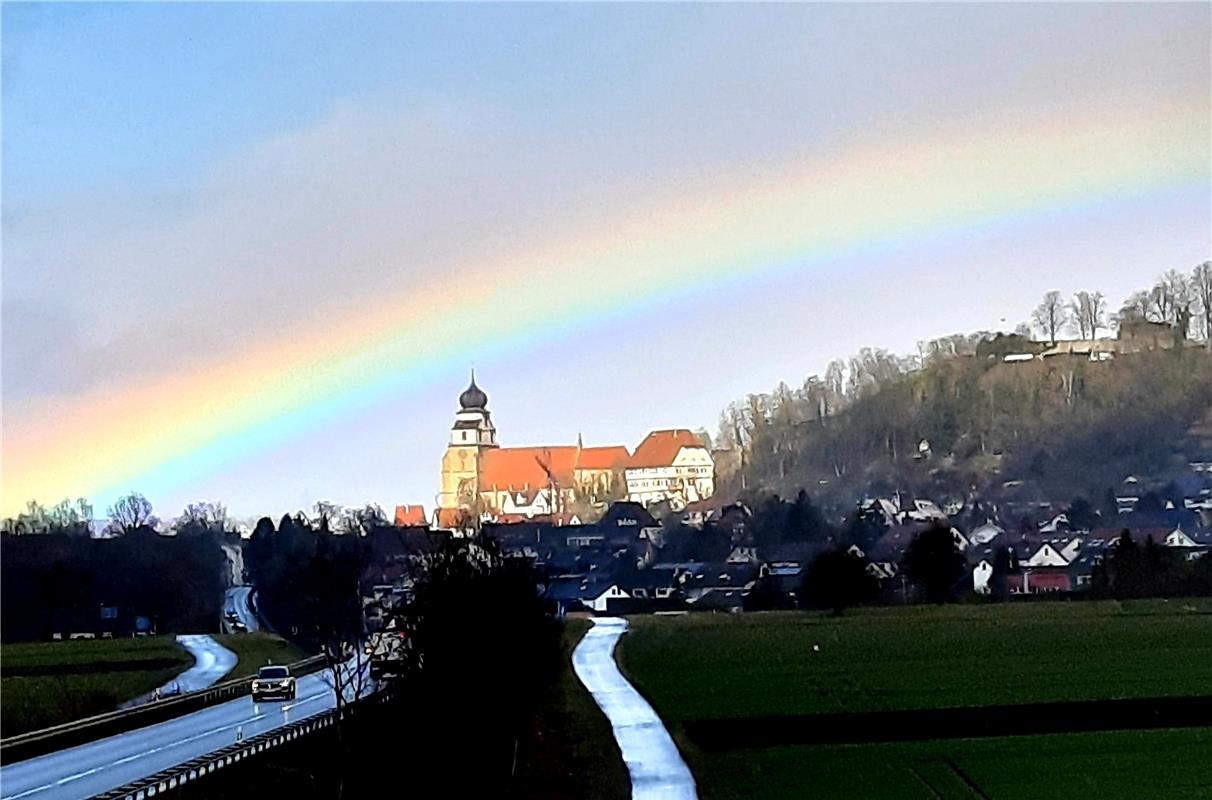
956	417
1133	570
307	576
58	583
56	576
482	652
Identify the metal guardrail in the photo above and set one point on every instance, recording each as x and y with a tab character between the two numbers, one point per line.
192	771
70	734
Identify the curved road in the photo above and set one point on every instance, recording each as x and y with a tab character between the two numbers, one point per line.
211	662
239	602
99	766
653	761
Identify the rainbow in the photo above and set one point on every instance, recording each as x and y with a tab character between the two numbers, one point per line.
163	433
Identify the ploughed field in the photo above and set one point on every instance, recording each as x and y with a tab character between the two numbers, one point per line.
744	694
47	683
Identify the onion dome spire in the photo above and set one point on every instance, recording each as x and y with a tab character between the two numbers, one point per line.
473	398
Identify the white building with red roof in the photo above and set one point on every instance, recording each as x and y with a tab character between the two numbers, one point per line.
481	476
477	472
671	465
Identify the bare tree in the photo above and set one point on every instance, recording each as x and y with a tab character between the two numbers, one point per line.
71	517
1135	307
1088	311
725	437
1201	289
328	516
1051	316
1170	301
34	519
131	512
200	517
835	384
363	521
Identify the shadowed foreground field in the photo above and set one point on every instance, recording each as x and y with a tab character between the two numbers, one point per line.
736	667
1132	765
47	683
571	752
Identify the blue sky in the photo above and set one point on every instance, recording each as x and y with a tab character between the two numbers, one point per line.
182	179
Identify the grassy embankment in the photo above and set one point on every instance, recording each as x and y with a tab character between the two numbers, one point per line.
255	650
571	752
48	683
705	667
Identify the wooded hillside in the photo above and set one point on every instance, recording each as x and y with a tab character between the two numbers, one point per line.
958	418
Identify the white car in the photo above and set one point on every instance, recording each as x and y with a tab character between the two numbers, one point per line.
273	681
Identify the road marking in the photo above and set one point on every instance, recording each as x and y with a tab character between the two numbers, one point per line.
298	703
134	757
78	776
28	792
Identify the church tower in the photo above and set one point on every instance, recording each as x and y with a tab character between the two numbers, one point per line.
471	433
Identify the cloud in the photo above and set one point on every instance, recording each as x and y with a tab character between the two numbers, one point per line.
382	191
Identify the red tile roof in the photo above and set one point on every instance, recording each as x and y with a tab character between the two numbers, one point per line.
615	457
526	467
407	515
530	468
660	448
454	518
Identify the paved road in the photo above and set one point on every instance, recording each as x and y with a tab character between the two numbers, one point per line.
106	764
653	761
211	662
238	601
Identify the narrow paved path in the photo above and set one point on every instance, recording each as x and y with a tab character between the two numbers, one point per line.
211	662
656	767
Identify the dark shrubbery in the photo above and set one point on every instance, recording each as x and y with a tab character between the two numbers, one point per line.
1131	570
57	582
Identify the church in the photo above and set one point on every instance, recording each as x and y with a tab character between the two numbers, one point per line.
514	483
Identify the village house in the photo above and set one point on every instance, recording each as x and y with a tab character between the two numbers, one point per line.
670	465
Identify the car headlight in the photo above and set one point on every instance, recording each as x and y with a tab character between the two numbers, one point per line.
284	684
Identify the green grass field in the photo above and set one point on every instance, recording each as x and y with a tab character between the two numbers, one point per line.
255	650
737	666
1132	765
91	677
703	666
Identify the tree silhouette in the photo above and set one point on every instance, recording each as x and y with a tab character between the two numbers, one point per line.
934	563
837	579
130	513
